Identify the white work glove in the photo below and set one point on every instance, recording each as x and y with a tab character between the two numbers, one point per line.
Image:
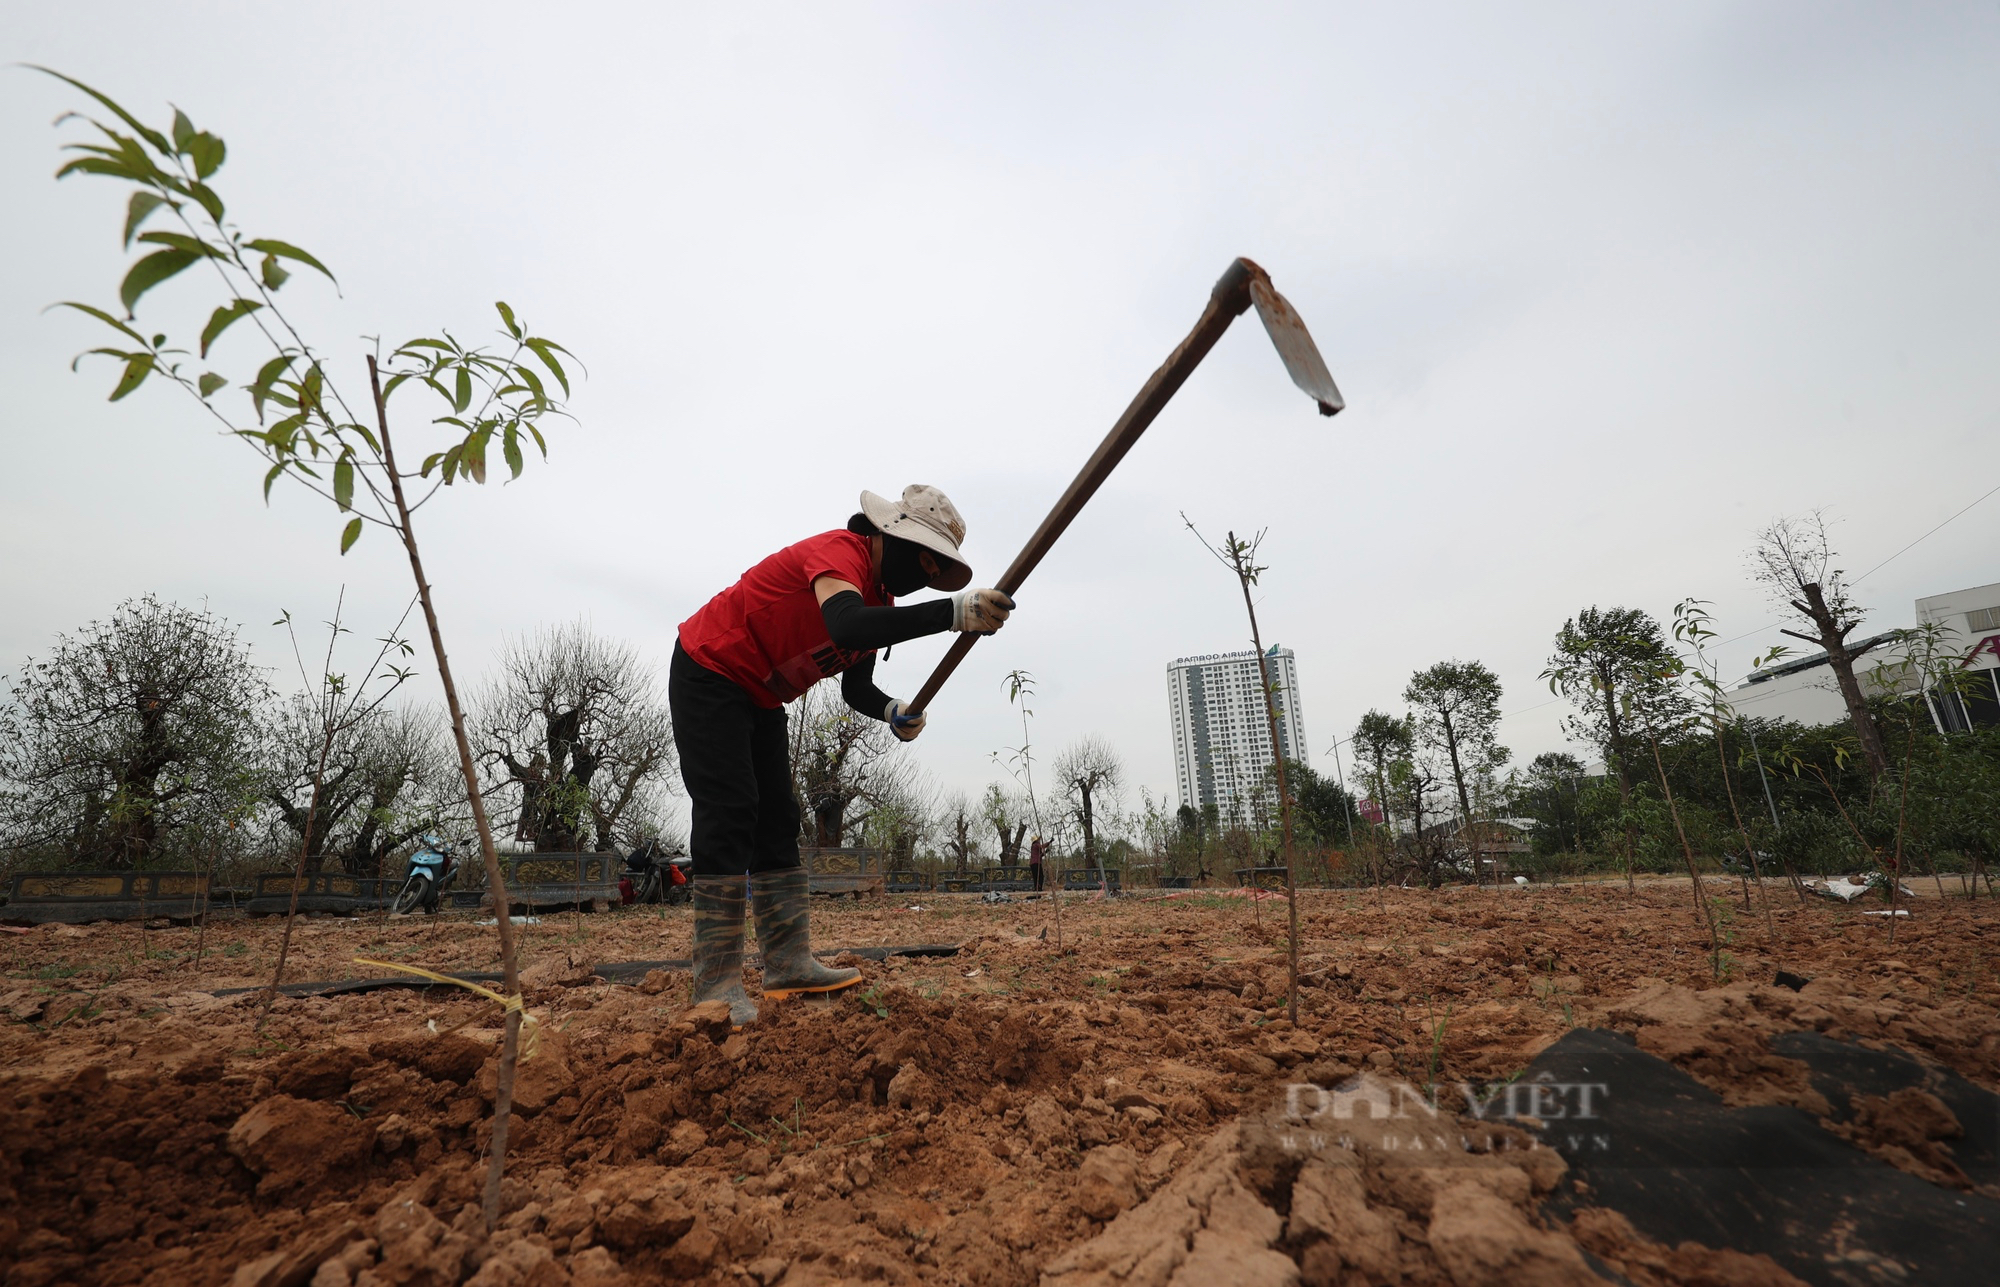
904	726
980	611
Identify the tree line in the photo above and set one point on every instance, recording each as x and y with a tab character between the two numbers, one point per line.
1684	779
155	738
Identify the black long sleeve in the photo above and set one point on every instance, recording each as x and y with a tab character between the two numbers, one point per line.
856	627
857	688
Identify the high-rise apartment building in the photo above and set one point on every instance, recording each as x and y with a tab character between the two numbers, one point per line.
1222	742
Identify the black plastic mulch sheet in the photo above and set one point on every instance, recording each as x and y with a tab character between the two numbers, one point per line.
636	971
1665	1151
628	972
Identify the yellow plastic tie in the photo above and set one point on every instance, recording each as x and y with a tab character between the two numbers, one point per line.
530	1029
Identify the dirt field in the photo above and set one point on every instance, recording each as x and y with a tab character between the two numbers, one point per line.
979	1118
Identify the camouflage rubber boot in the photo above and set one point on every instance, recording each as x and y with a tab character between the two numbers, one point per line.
779	899
718	946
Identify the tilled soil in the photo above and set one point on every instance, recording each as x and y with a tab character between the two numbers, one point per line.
1099	1113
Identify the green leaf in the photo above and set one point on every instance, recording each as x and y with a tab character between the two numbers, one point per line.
104	317
546	352
343	481
450	466
534	383
260	388
207	152
183	130
463	398
137	368
120	354
154	137
285	250
206	195
274	276
538	440
430	463
101	165
474	460
210	382
507	316
181	241
143	204
350	535
150	272
510	445
284	434
270	478
220	321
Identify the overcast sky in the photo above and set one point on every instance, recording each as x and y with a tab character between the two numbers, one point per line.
1607	288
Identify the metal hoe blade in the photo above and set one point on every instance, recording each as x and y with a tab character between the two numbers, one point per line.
1301	356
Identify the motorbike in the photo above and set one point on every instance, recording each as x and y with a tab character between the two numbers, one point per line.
432	867
653	874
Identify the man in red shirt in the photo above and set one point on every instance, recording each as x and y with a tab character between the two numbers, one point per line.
812	610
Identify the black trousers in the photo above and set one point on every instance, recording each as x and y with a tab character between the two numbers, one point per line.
736	763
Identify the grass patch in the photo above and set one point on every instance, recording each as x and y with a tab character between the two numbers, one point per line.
55	970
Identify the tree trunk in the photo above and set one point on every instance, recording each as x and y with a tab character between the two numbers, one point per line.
1284	788
1382	799
137	834
1617	749
1464	799
829	821
496	880
1833	638
1703	912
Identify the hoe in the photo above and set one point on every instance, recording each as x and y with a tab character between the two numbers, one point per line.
1240	287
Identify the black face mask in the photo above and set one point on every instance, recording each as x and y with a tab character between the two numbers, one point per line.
901	572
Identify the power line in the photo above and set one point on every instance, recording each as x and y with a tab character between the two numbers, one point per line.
1877	568
1776	621
1913	544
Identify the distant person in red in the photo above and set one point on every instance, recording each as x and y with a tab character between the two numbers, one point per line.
812	610
1037	851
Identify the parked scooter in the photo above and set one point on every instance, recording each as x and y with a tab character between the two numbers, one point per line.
432	867
654	874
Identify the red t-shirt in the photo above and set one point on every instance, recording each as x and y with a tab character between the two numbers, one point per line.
766	632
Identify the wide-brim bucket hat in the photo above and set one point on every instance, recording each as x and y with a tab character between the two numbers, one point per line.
926	517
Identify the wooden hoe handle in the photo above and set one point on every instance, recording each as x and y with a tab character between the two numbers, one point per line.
1226	302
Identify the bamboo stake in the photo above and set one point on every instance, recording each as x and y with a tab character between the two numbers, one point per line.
496	883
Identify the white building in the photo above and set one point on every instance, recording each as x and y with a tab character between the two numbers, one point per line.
1971	621
1222	740
1802	689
